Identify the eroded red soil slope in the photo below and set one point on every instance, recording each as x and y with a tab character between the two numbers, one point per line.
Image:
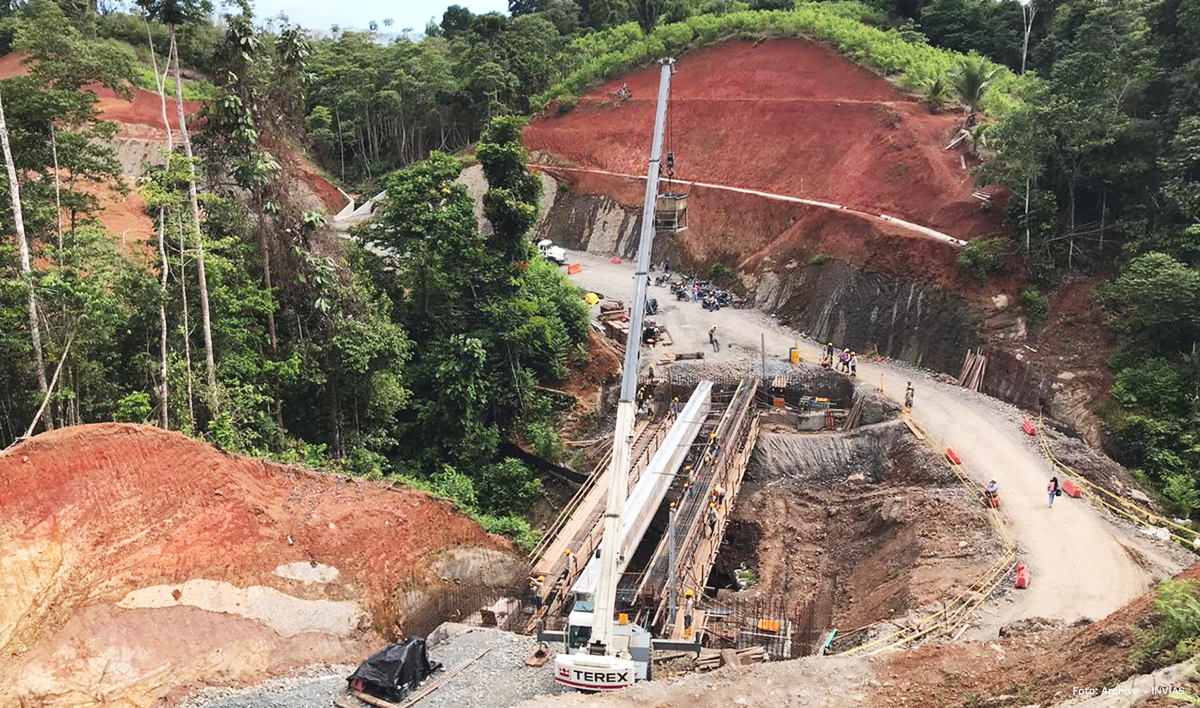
785	116
126	551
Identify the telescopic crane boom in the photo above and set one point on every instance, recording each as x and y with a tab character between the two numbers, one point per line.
589	669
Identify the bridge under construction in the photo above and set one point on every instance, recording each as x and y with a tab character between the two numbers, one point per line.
688	465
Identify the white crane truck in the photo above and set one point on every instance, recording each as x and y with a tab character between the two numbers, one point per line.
606	652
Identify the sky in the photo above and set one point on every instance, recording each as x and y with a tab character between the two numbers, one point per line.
320	14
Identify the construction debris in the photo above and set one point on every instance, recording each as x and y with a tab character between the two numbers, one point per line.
710	659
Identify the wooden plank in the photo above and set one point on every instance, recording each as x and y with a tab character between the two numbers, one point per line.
343	703
378	702
911	426
729	657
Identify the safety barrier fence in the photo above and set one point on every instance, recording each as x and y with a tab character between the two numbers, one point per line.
1116	503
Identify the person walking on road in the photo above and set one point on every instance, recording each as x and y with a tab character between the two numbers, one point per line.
829	351
1053	490
712	338
908	397
853	364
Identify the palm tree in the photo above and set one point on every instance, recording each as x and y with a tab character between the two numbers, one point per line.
970	82
937	91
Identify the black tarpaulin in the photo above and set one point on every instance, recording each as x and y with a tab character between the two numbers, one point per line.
393	672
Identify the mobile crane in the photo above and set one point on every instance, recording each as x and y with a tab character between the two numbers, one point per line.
607	652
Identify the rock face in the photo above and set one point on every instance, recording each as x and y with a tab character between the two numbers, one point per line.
136	562
900	318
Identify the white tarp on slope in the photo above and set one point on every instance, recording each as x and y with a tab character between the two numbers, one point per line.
647	495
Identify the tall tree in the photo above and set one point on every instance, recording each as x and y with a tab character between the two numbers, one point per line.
175	13
14	191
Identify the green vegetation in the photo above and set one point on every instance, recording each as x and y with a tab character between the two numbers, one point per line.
246	329
1036	305
983	258
818	259
1175	634
606	54
196	90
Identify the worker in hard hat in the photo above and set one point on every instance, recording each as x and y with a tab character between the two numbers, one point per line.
712	517
675	406
908	398
829	351
689	606
854	363
538	587
718	494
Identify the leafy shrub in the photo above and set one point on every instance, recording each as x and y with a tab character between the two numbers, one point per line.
719	272
1176	632
983	258
134	408
1036	305
566	104
514	527
506	486
818	259
1150	385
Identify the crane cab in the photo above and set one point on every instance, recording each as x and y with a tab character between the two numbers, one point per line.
582	670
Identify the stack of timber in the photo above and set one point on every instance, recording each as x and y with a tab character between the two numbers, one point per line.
973	369
711	659
854	418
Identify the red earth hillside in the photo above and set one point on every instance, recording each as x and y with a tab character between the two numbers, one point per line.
126	551
785	116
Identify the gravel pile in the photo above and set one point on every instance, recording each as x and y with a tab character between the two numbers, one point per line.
312	686
498	680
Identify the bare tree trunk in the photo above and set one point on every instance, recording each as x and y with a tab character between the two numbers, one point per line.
341	148
1027	217
265	251
1027	14
187	331
164	393
57	190
210	363
14	191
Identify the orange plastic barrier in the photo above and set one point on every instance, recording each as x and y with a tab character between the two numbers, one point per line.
953	456
1028	427
574	268
1070	489
1022	576
615	259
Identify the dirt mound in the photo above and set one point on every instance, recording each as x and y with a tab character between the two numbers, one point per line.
785	116
136	561
1032	669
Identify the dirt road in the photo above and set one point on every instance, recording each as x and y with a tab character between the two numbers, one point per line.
1082	564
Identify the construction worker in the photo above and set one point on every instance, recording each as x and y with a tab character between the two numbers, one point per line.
689	607
675	406
993	494
570	560
651	372
844	361
712	518
908	399
538	587
719	494
853	364
712	338
829	352
687	489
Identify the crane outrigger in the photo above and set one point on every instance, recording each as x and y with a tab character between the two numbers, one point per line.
616	652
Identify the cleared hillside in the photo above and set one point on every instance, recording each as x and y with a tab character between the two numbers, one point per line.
136	561
786	116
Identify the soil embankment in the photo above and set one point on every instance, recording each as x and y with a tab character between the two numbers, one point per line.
137	562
